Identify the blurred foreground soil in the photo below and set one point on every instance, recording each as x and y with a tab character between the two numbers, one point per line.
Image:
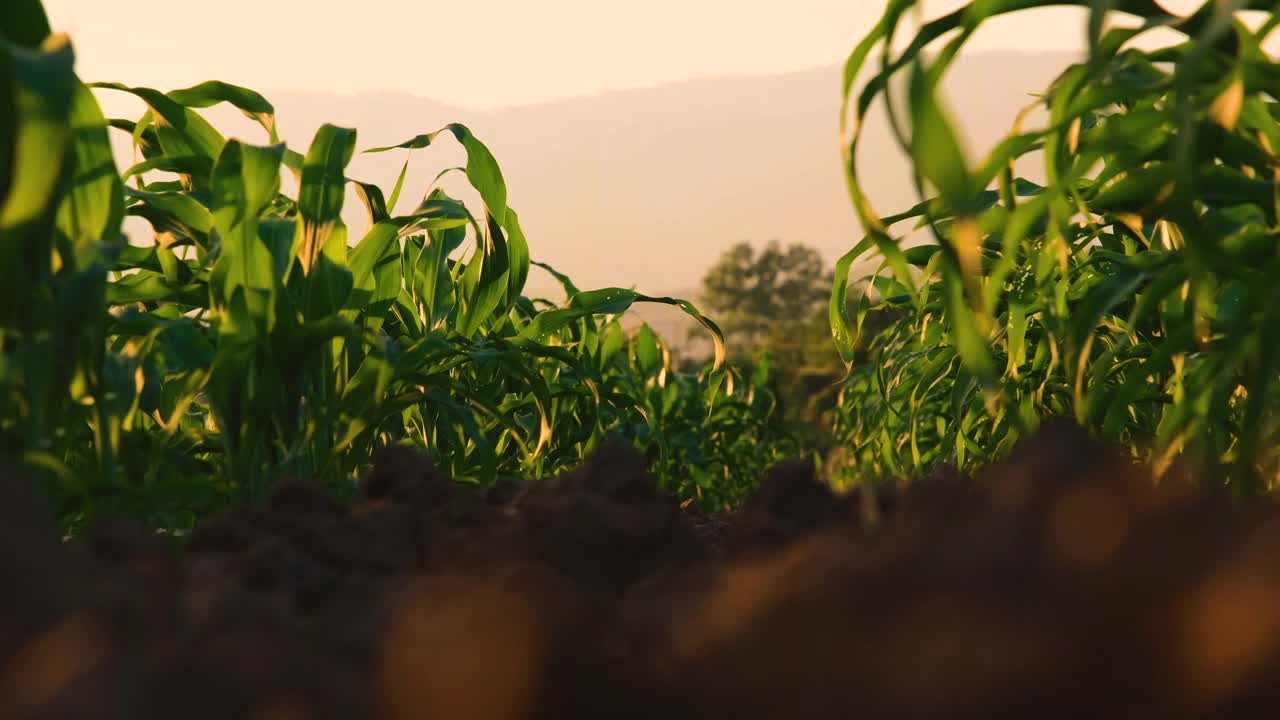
1059	583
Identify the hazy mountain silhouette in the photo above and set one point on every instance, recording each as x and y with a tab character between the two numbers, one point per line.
647	187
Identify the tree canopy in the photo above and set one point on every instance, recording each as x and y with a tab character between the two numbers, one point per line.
755	294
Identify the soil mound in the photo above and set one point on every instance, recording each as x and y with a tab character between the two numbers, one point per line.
1062	581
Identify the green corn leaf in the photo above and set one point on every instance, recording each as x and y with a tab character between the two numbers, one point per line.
842	326
482	169
278	235
44	88
395	191
321	191
485	283
415	143
184	165
920	255
377	254
613	301
253	105
93	208
331	282
437	212
647	351
371	196
517	258
24	23
179	130
144	137
151	286
484	287
177	218
8	124
607	301
1136	191
432	282
245	179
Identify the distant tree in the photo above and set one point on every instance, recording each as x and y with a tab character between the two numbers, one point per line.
772	306
755	295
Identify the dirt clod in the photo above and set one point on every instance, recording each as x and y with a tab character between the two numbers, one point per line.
1060	582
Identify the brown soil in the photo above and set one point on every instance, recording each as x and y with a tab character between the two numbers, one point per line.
1060	583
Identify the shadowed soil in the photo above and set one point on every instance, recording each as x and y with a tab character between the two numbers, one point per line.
1061	582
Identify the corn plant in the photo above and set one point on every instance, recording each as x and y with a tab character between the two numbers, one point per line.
715	433
1134	290
250	337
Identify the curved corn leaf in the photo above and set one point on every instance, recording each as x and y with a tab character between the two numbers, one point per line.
179	130
93	208
613	301
482	169
322	189
245	179
214	92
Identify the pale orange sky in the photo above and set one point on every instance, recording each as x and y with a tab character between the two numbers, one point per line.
485	53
